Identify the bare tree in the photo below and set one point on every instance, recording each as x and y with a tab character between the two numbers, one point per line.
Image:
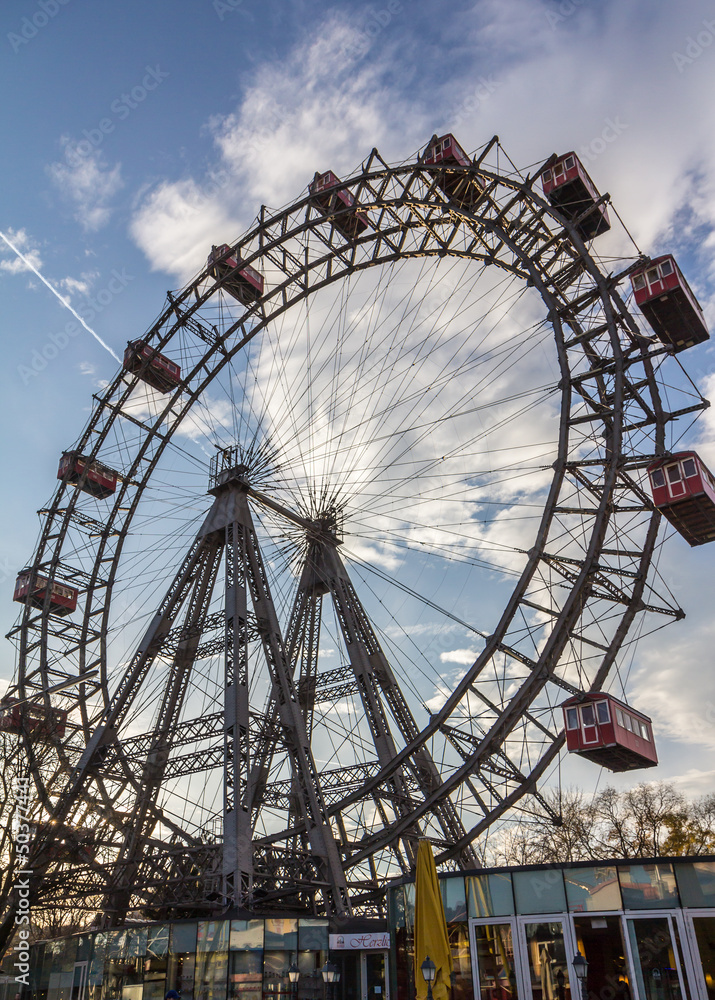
648	820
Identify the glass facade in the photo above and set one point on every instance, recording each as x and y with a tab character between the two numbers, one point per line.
643	927
202	960
646	929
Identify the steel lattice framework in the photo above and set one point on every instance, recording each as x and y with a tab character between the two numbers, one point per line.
289	831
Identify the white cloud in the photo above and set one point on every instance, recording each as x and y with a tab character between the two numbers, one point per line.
88	182
465	657
9	261
319	109
77	286
681	708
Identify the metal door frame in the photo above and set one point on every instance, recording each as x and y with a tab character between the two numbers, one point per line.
693	956
516	943
84	976
686	970
561	917
363	971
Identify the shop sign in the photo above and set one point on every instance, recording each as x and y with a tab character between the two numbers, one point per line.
359	942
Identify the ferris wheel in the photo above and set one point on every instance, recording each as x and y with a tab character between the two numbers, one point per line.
364	505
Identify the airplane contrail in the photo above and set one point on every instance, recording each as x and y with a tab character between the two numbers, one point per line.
63	300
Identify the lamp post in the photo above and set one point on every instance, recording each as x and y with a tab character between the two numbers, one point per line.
580	967
293	976
560	984
429	971
329	971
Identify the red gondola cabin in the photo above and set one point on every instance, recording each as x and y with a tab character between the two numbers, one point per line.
609	732
665	298
154	368
241	281
101	481
684	492
569	189
445	151
333	205
63	598
38	720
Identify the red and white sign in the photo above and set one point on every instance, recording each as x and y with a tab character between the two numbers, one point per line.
360	942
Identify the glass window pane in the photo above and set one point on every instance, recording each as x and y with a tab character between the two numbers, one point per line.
136	942
180	974
539	891
572	718
689	467
666	267
620	718
600	941
213	935
705	936
496	974
587	715
696	883
652	275
396	907
312	934
157	943
548	968
673	473
116	944
246	935
592	889
648	887
490	896
410	904
459	944
656	965
245	975
183	938
657	477
84	948
282	934
275	971
454	898
602	711
569	162
639	282
211	975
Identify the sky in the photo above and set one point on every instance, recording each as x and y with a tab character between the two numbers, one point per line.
137	135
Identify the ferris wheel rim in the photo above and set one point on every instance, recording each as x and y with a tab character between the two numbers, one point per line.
337	252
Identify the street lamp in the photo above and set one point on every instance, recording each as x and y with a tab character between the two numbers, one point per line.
293	976
580	967
329	972
429	971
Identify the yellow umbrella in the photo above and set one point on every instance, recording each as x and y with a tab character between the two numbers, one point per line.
431	939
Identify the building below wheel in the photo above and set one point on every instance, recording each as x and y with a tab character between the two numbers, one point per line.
646	928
